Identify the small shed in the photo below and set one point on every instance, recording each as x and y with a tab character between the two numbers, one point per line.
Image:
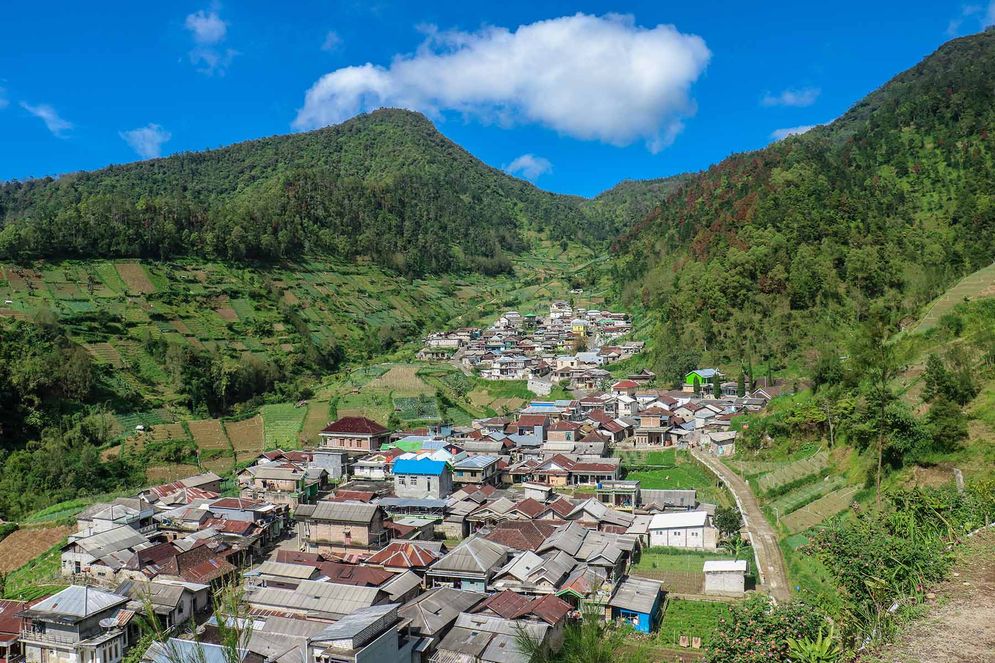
638	602
726	577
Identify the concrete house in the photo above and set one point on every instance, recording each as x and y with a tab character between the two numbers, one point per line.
480	469
341	527
368	635
78	625
469	566
726	578
422	478
357	435
282	483
688	529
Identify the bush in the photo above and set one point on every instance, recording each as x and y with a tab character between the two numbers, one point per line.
757	631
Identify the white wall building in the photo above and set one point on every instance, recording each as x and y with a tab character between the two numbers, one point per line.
685	529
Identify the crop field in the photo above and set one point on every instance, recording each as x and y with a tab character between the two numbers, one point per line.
317	417
822	508
135	277
281	425
691	619
37	578
246	436
376	405
793	472
25	544
749	468
208	434
159	474
799	497
105	353
979	284
416	408
403	380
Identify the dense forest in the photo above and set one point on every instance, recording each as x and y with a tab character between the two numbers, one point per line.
774	251
387	186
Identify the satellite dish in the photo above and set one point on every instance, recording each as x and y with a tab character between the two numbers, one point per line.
108	622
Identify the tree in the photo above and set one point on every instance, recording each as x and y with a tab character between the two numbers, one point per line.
741	385
874	357
728	520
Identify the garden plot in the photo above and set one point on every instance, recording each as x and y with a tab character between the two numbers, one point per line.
793	472
105	353
824	507
403	380
317	417
376	405
281	425
208	434
803	495
160	474
164	432
135	277
416	408
691	619
246	436
25	544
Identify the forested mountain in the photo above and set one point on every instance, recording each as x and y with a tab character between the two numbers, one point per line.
386	185
773	251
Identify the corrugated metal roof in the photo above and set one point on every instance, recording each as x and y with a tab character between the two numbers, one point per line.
420	467
347	512
637	594
312	596
352	625
78	602
679	519
474	556
285	570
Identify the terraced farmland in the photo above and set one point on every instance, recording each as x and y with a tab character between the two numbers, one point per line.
979	284
25	544
793	472
246	437
799	497
281	425
822	508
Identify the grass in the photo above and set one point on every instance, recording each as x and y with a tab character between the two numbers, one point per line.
683	473
39	577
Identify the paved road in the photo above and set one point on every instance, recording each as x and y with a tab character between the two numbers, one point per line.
769	560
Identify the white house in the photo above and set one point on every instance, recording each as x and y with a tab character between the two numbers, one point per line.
686	529
725	577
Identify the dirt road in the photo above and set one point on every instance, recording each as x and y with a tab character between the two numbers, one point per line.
769	560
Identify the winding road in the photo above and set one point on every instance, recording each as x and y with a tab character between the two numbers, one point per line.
769	560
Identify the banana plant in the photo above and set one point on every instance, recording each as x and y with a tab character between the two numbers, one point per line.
820	650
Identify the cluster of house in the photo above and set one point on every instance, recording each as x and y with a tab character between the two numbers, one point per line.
527	347
411	546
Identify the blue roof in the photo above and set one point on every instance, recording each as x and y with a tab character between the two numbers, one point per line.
421	466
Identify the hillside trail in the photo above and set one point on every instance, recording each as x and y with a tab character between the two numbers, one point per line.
960	624
769	559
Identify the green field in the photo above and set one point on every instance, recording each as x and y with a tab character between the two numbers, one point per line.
692	619
37	578
979	284
281	425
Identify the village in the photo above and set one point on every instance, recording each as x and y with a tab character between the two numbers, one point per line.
437	544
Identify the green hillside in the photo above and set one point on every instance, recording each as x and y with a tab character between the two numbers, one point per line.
386	186
769	253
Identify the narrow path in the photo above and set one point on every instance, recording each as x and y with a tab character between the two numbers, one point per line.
769	560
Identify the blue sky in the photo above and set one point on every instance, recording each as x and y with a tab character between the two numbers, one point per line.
575	96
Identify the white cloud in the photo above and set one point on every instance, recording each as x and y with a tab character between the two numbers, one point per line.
332	41
594	78
781	134
206	27
146	141
208	30
799	97
529	166
975	16
57	125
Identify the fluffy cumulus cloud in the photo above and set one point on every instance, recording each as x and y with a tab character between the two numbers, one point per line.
53	122
146	141
781	134
208	31
529	166
589	77
799	97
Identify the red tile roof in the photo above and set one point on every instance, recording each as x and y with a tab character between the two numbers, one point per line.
625	384
531	420
355	426
562	506
10	623
506	604
398	531
355	495
240	527
565	426
403	555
